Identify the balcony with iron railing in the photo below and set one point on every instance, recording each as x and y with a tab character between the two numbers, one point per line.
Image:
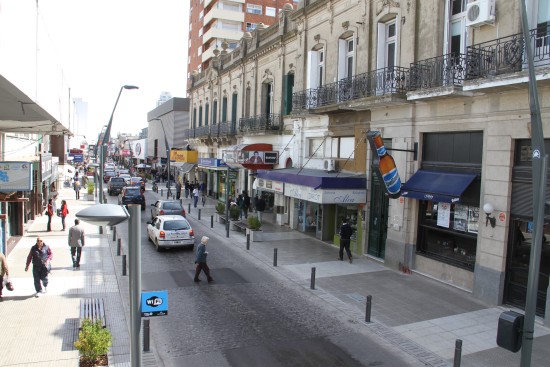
381	82
202	132
260	123
489	59
227	128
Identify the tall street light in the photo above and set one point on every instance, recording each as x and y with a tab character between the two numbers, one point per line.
105	141
168	192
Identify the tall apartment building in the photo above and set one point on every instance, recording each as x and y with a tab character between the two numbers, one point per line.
213	22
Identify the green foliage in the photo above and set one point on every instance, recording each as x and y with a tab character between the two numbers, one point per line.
234	212
93	340
220	208
254	223
90	187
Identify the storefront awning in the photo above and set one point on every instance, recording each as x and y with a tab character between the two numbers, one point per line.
185	167
437	186
316	179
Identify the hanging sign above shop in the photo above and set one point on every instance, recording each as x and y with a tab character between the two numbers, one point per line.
251	156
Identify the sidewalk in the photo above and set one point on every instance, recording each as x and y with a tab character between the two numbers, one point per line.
42	330
416	314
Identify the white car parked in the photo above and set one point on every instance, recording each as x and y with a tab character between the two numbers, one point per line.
169	231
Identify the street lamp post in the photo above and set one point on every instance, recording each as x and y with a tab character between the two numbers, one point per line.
105	141
110	215
168	192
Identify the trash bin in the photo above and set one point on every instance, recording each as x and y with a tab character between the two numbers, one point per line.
510	327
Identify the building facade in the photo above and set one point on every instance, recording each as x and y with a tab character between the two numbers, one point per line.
446	84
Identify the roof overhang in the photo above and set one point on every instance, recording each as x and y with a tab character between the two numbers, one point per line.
20	114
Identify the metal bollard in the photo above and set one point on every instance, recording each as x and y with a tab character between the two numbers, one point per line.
458	353
119	247
312	286
227	228
146	335
368	308
199	214
189	208
275	257
248	241
161	192
211	221
114	233
123	265
181	202
100	229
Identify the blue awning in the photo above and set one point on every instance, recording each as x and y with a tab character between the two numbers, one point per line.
437	186
316	178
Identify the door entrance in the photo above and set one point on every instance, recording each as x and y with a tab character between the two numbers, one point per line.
378	220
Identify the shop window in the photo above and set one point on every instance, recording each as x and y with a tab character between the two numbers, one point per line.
448	232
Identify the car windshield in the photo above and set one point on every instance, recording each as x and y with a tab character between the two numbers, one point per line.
117	179
176	225
136	192
172	205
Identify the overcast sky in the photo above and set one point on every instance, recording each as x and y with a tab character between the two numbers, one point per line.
94	47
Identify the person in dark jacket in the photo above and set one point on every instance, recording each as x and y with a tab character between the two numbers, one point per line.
345	235
200	261
260	206
49	213
40	255
246	204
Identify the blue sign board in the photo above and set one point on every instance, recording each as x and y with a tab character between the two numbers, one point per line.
211	162
154	303
77	157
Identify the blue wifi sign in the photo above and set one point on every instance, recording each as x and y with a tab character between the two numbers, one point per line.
154	303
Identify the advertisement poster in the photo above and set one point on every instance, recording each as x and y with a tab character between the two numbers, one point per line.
473	219
15	176
460	222
444	215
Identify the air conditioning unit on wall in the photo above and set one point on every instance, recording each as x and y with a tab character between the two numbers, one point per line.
480	12
329	165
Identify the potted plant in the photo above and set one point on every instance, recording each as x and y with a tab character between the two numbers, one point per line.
220	211
254	230
90	188
93	344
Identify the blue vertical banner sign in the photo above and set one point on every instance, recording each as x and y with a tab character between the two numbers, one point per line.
154	303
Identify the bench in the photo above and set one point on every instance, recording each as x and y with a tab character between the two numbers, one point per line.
93	309
223	218
239	226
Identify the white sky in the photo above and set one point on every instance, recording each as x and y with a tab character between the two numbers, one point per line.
94	47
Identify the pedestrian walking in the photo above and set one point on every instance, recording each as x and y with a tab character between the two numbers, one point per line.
49	213
246	204
77	188
200	260
195	196
178	190
4	272
260	207
186	189
41	256
76	242
64	212
345	235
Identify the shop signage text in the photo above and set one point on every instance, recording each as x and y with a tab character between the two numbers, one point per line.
322	196
269	185
15	176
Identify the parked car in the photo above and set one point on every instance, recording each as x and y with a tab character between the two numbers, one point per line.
169	231
115	186
167	207
107	175
137	181
132	195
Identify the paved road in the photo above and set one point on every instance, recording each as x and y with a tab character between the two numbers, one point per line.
249	316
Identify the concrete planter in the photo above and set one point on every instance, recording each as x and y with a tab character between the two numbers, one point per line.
90	197
255	236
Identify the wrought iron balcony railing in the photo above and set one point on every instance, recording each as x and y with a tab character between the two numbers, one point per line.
226	128
379	82
202	131
441	71
260	123
507	54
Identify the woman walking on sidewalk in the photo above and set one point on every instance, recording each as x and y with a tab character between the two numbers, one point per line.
49	213
4	272
64	213
40	255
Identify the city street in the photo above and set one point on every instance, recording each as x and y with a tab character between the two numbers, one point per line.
249	316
